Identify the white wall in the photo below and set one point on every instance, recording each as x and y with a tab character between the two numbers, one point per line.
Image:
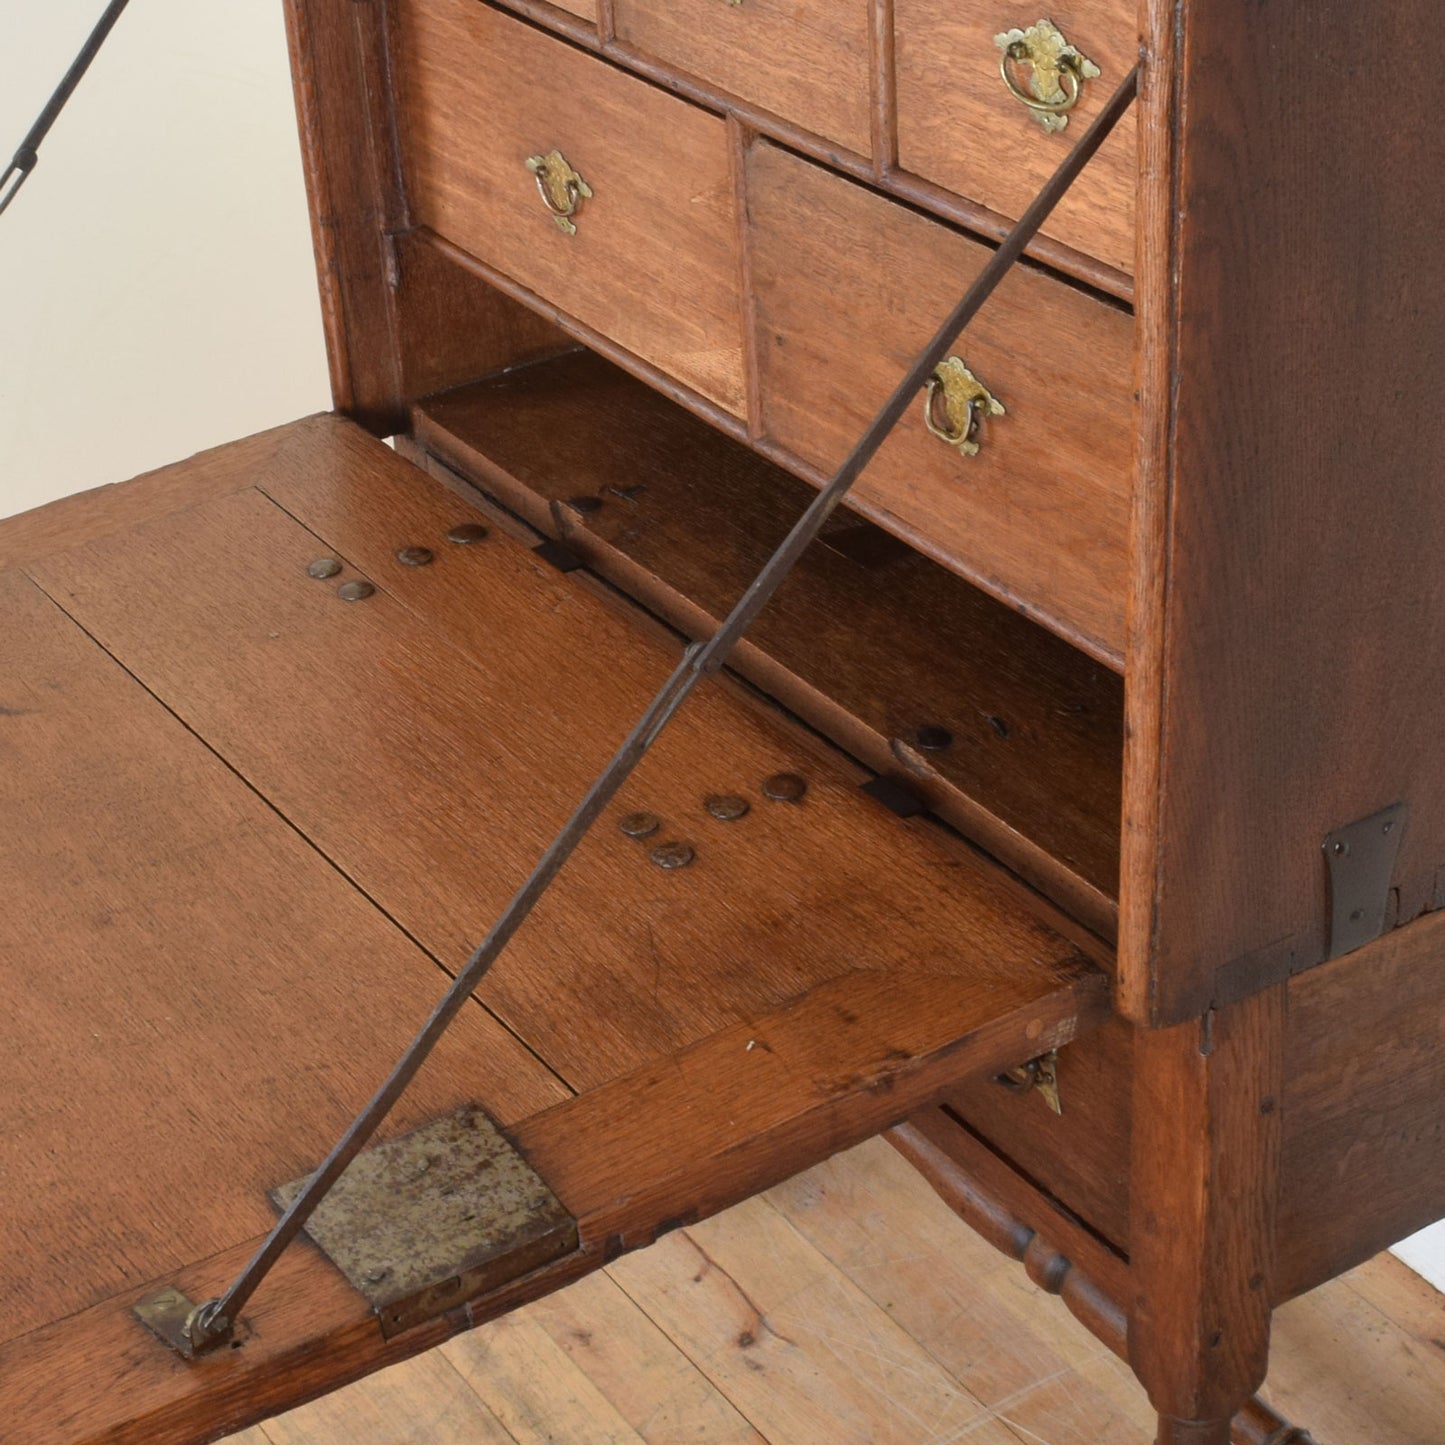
157	292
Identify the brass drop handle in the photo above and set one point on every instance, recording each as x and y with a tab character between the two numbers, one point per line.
1057	72
561	188
1040	1076
955	403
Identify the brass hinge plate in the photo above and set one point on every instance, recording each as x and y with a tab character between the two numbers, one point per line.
1361	859
438	1217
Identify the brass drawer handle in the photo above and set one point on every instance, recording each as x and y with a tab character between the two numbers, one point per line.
1040	1076
561	188
954	405
1057	72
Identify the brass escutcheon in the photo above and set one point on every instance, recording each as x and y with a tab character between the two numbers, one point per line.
561	188
963	401
1057	72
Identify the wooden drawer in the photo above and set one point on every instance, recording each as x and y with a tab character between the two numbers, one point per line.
654	261
959	126
805	60
1079	1157
849	287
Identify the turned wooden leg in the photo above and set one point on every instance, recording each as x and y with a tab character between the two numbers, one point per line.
1204	1176
1192	1432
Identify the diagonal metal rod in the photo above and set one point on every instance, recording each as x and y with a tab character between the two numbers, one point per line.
27	157
210	1322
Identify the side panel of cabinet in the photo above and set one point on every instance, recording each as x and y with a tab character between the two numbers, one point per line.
1287	652
1363	1162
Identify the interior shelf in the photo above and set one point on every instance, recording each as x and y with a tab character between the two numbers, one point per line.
1004	729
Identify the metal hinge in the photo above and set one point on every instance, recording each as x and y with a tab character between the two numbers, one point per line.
1361	859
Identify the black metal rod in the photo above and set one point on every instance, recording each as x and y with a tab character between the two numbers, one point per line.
212	1320
27	157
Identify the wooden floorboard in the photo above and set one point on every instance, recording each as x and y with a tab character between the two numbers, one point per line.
850	1307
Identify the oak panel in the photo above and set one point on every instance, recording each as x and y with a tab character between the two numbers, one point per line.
958	125
195	1001
1288	550
849	288
805	60
736	1021
654	264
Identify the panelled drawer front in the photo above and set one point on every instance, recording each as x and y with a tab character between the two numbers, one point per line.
1080	1157
960	127
805	60
849	288
653	263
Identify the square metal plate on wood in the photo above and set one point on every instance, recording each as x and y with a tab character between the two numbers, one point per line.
435	1218
1361	859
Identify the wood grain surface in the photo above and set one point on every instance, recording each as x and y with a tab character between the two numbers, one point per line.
1204	1194
340	71
458	715
869	641
1362	1079
1040	516
806	60
654	263
117	506
175	1040
453	327
1288	547
821	970
959	127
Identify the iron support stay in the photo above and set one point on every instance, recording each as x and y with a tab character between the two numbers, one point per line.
27	156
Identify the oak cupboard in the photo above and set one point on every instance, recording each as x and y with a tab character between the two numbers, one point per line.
1074	814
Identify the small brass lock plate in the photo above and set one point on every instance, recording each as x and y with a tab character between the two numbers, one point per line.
436	1218
168	1314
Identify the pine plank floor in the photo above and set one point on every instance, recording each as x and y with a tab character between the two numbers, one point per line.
850	1307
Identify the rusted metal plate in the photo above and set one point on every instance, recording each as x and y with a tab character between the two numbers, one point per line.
435	1218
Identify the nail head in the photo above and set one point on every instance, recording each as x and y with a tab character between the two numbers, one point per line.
323	568
415	556
355	591
727	807
785	788
673	855
466	533
640	825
